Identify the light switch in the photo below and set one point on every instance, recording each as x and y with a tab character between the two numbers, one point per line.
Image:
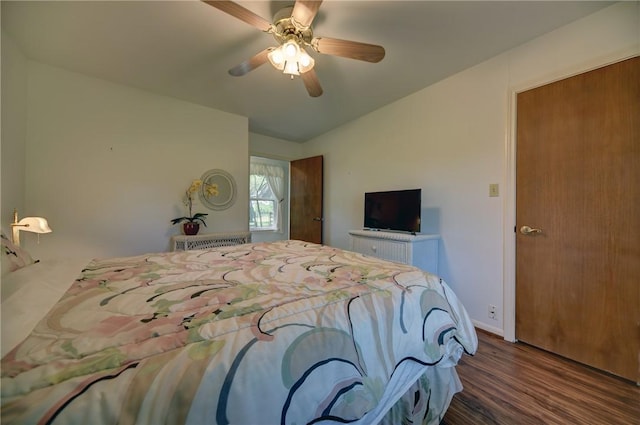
494	190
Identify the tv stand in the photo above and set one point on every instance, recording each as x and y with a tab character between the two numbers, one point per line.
387	231
420	250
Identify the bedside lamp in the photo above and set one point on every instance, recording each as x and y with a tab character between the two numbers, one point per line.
29	224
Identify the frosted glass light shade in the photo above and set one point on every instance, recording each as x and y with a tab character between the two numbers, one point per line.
290	58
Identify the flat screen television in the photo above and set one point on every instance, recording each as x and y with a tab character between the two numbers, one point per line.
396	210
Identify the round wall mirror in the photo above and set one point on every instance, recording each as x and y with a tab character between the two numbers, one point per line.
218	190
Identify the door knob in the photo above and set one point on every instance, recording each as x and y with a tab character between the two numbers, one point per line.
526	230
318	219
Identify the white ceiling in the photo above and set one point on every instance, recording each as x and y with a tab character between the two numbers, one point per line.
183	49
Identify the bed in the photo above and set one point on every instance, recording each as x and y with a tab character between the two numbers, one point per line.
286	332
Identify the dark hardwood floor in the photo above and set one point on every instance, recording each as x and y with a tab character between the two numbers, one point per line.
516	384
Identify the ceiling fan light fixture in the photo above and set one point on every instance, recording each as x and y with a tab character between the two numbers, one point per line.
290	58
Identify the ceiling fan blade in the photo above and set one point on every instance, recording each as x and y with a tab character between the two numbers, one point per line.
311	82
348	49
241	13
304	11
250	64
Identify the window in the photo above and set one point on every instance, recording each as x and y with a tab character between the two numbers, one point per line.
266	186
264	206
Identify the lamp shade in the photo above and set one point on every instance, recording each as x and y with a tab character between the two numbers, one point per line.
35	225
29	224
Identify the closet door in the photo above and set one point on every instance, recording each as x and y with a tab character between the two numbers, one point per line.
578	183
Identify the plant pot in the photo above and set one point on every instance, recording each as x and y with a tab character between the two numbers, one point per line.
191	228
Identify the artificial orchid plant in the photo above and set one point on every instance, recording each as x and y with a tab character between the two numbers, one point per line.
211	190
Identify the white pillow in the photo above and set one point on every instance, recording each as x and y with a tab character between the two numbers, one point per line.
13	256
30	292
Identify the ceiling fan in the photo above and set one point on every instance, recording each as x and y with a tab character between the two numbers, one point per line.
292	30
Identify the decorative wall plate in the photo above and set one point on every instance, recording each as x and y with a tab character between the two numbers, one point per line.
218	190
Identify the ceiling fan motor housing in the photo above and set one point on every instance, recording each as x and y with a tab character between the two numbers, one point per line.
285	28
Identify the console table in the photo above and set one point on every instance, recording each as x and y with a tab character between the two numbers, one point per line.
418	250
211	240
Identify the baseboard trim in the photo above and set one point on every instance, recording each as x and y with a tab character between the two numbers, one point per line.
487	328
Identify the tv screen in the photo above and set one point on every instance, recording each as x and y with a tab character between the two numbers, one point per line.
397	210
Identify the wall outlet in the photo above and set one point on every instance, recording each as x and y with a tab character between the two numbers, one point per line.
492	312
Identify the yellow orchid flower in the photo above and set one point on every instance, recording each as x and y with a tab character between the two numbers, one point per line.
195	185
212	190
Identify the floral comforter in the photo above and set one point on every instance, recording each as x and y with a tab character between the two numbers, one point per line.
263	333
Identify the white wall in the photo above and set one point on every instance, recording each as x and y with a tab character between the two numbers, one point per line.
14	116
108	164
270	147
452	139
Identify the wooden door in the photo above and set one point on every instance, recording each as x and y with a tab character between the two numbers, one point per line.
306	199
578	181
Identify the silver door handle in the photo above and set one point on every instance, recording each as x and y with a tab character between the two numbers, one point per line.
318	219
526	230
